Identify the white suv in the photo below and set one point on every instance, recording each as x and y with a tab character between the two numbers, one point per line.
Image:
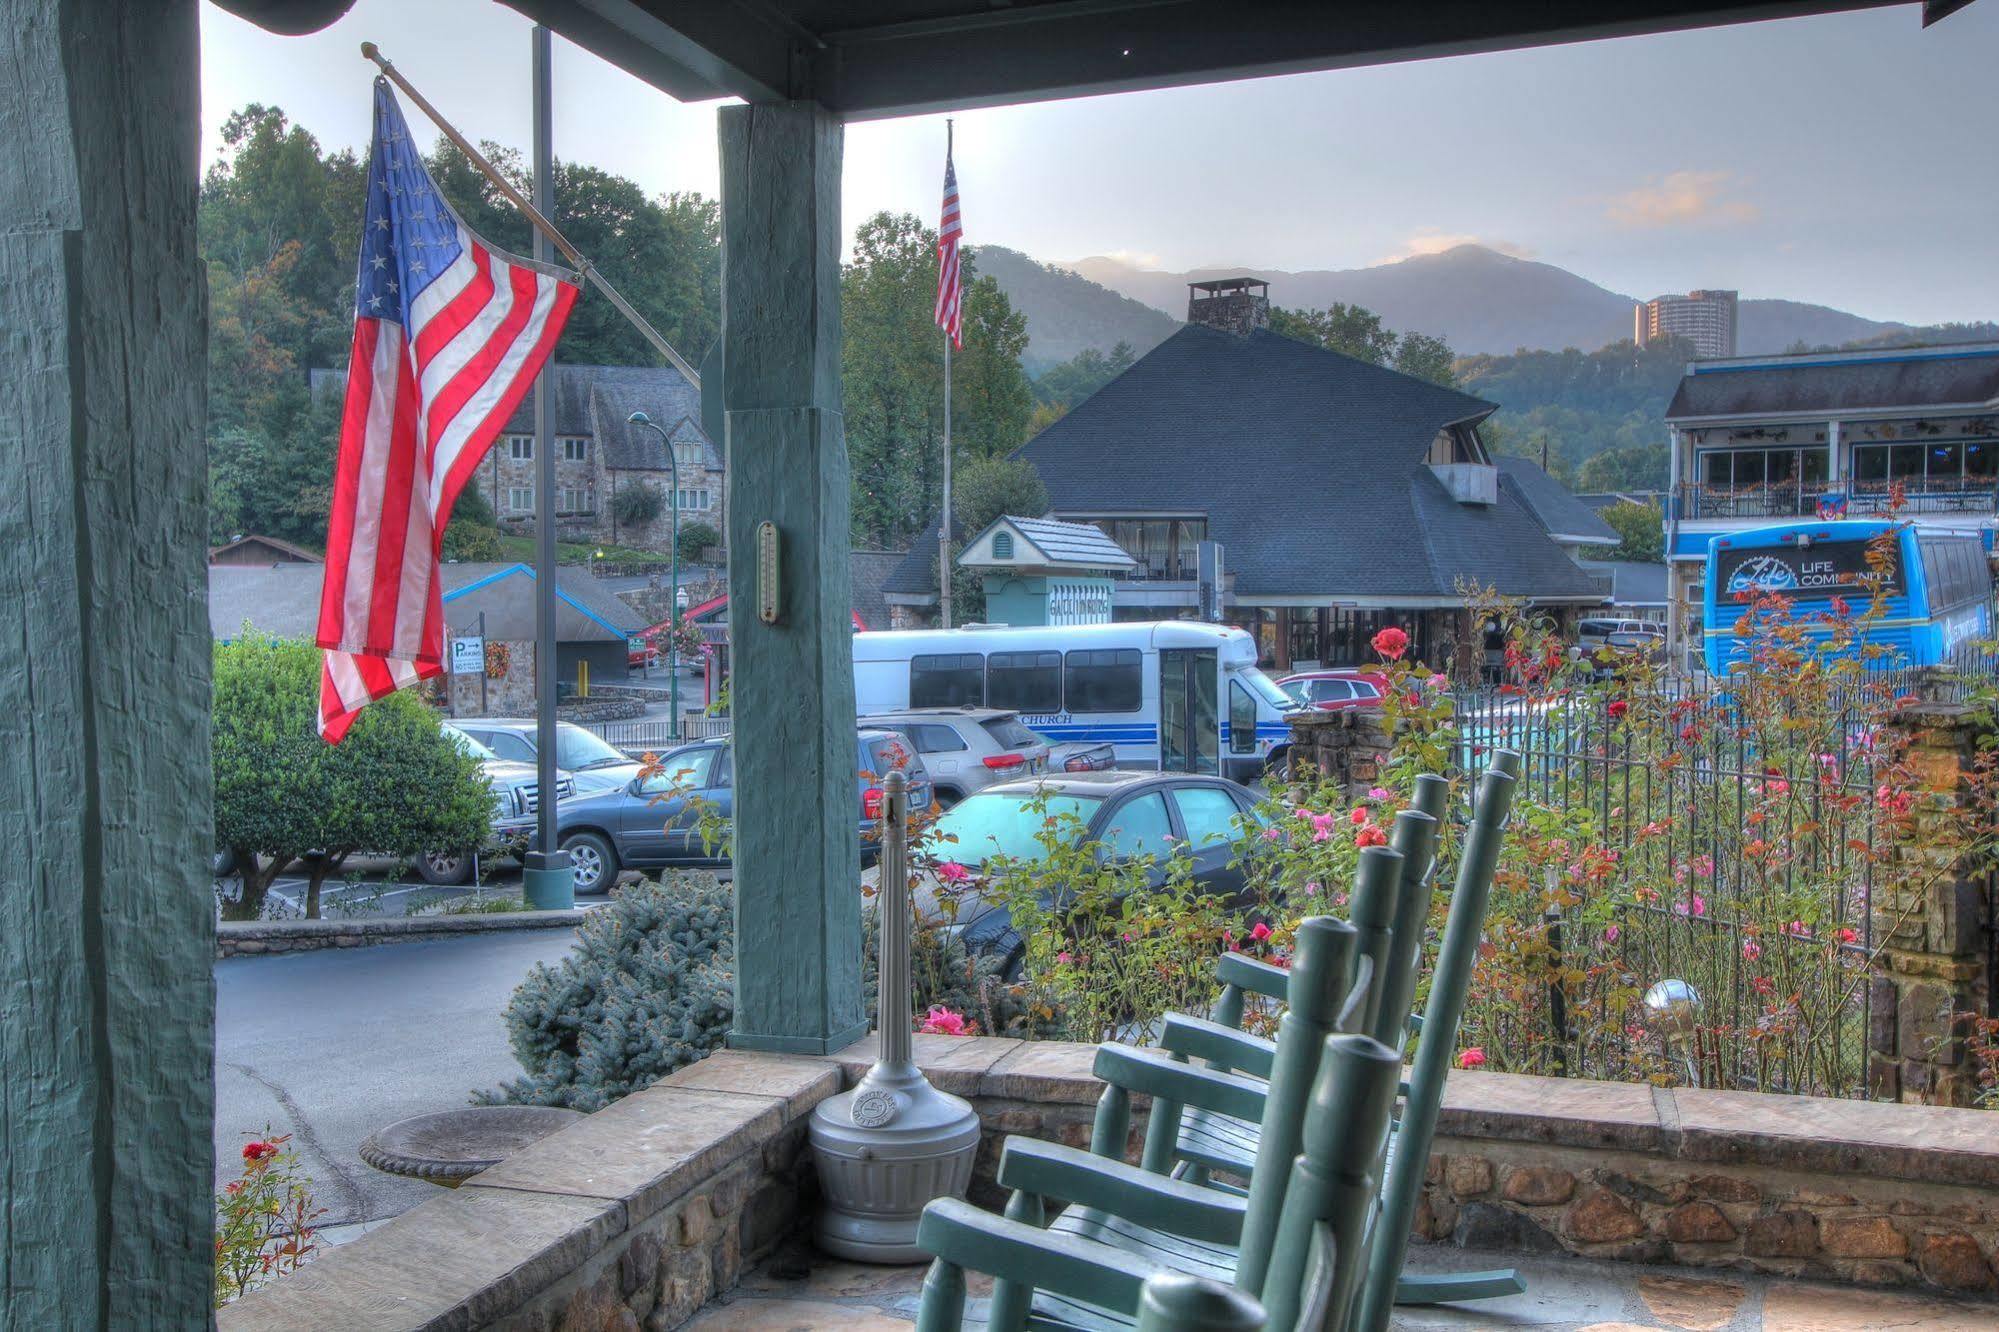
965	750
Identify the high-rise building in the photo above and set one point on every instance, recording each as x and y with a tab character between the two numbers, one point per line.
1704	318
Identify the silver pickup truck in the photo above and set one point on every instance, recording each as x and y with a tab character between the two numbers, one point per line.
515	800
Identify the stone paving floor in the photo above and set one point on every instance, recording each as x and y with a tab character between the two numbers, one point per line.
1563	1295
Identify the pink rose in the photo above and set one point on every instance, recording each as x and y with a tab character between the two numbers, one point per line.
1751	950
1260	932
1473	1057
943	1022
952	872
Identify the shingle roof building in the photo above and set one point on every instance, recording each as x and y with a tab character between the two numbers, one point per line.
1815	385
1560	512
1310	469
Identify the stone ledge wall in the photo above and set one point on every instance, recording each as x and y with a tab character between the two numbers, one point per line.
244	938
629	1220
634	1218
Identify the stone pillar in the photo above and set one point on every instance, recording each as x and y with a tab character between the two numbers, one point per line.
106	914
1932	922
797	806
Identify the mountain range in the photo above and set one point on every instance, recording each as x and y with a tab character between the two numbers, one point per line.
1475	298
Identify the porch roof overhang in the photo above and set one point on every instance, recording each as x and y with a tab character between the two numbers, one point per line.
863	59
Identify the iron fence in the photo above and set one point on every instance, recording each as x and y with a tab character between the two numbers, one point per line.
654	736
1708	846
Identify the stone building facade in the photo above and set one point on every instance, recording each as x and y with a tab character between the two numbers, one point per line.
600	454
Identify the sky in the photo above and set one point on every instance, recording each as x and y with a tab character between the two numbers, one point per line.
1844	159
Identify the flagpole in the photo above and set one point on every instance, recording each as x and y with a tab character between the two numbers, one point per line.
549	881
537	217
944	518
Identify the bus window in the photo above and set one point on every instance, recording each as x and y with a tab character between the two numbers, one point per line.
1029	682
1242	719
947	680
1103	680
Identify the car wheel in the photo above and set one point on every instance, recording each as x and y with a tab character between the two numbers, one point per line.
592	861
446	869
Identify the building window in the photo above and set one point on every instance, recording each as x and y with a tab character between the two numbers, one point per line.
520	499
693	499
1928	465
1002	545
575	449
576	499
1163	547
520	448
1749	469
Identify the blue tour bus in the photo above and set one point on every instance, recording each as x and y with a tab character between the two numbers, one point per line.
1939	592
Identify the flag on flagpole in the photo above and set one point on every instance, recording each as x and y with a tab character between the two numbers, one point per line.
449	333
950	292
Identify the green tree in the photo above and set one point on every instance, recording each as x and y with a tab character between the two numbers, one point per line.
664	255
1426	357
1065	385
1352	330
1641	531
695	538
283	797
1628	467
894	368
985	488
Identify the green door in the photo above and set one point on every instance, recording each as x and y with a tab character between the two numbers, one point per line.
1189	731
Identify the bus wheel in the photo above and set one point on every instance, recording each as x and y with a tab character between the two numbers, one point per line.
1278	767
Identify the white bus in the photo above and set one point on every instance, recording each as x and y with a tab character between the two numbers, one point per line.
1175	695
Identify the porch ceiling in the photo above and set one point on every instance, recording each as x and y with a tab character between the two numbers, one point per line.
873	58
870	58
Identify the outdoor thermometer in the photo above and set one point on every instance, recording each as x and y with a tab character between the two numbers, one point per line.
768	606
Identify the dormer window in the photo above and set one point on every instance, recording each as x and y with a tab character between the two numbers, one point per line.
1457	444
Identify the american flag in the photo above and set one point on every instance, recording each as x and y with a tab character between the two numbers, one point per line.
950	291
449	333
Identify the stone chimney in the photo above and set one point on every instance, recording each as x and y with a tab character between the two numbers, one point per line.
1233	305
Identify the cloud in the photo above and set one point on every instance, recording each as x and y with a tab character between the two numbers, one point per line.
1431	241
1681	199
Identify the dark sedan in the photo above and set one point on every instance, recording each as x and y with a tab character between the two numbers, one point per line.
1129	814
680	813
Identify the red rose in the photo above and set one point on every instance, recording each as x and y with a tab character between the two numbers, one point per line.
1391	643
1260	932
1618	707
256	1151
1370	836
1472	1058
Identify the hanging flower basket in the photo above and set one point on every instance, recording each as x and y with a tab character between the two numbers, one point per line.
499	658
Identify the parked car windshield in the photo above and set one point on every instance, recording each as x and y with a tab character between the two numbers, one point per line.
576	749
467	745
1296	693
1000	823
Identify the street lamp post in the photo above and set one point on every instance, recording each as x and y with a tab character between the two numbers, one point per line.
673	613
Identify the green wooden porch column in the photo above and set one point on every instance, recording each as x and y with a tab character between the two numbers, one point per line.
797	856
106	941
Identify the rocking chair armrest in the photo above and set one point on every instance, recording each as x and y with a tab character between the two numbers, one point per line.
1167	1079
1217	1042
1247	973
956	1232
1075	1176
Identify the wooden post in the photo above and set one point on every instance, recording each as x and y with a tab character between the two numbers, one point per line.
797	814
106	935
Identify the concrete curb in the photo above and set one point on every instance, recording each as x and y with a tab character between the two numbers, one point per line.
239	938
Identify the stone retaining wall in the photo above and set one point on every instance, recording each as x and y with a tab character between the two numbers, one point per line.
239	938
633	1218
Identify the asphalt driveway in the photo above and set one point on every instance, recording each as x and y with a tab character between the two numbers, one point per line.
329	1046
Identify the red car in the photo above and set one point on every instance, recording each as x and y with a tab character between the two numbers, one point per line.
1335	691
